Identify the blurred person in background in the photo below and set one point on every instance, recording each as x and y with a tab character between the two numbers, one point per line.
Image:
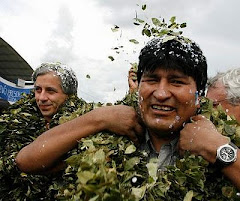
4	104
224	90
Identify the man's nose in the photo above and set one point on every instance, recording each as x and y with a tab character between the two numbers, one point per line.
162	91
43	96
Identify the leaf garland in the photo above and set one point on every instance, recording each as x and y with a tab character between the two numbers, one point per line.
106	166
20	125
109	167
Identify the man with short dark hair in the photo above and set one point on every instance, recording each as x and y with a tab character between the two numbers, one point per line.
171	76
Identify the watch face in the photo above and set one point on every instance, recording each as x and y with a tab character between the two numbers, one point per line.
227	154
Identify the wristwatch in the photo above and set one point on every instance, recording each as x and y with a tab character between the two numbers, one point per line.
226	154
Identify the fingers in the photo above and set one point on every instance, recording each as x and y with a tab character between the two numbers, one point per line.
198	117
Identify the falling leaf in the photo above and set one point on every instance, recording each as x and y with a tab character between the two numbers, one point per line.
134	41
111	58
115	29
144	7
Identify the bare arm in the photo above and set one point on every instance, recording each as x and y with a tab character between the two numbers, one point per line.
202	138
46	151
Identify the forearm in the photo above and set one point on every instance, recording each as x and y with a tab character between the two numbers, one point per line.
49	147
232	172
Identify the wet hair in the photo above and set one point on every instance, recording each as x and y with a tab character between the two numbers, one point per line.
231	81
183	55
69	82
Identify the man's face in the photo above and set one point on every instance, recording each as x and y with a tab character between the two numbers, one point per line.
166	100
49	94
217	93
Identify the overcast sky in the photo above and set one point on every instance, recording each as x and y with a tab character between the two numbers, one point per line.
78	33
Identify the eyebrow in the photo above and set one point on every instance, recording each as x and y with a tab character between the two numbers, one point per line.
47	88
172	75
51	89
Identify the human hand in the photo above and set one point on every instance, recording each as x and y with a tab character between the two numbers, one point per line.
132	80
201	137
122	120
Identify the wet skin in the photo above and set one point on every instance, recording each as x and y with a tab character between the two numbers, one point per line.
49	94
167	100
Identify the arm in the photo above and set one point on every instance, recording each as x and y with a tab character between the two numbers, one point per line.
202	138
46	151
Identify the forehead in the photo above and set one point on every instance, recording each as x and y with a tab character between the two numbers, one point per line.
216	91
167	72
50	78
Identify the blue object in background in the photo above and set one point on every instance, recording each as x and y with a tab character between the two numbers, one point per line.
10	92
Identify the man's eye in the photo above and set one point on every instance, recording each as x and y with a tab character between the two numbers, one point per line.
150	80
37	89
51	91
177	82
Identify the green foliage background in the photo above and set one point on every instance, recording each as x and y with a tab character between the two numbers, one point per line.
106	166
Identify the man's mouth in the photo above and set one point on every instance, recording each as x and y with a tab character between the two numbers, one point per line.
163	108
44	106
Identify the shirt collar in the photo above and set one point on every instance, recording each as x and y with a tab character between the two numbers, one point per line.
172	144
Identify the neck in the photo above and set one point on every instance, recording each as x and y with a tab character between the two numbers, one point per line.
47	119
159	140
